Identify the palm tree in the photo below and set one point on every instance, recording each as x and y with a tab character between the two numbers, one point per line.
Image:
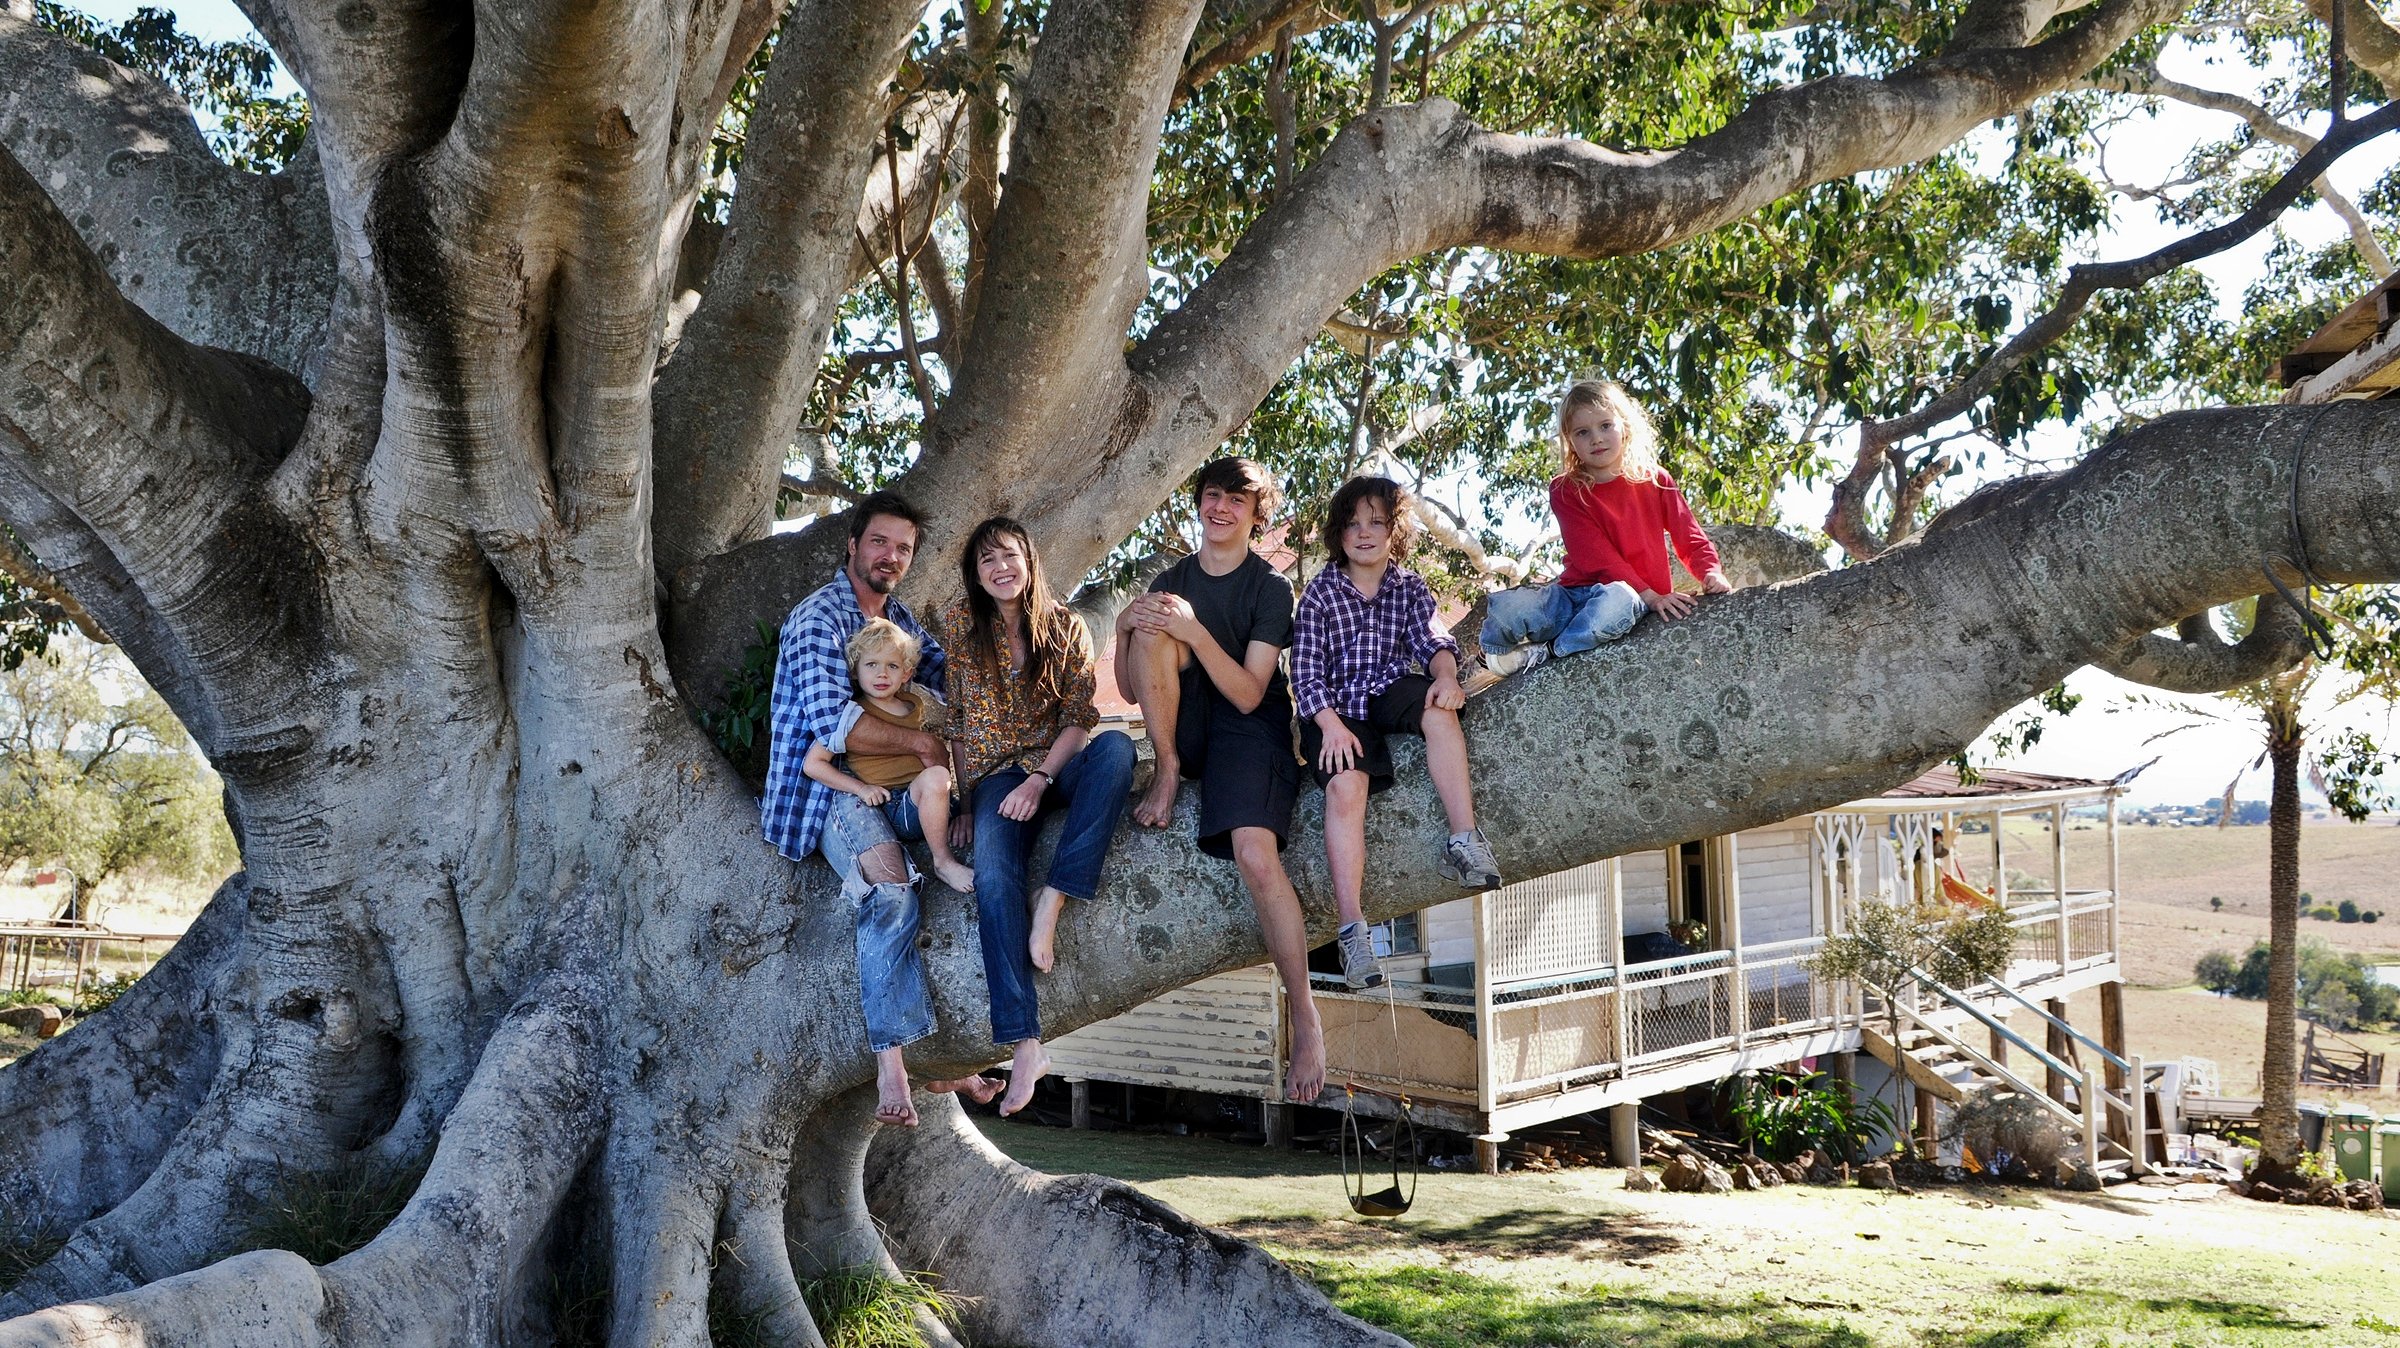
2361	652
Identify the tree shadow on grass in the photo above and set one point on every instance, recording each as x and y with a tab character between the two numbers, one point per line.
1445	1308
2085	1308
1521	1234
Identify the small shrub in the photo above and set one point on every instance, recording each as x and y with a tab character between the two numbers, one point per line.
100	996
22	1250
2321	913
740	725
1784	1115
2371	915
861	1308
2217	972
2216	904
323	1217
2346	911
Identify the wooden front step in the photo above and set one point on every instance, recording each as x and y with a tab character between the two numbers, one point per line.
1918	1074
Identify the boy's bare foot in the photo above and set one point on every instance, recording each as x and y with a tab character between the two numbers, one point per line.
955	875
1047	905
979	1089
1024	1072
1157	805
892	1104
1306	1079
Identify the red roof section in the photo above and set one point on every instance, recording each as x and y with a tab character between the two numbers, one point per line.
1943	781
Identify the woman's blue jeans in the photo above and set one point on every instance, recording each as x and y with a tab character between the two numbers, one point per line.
1573	620
1094	789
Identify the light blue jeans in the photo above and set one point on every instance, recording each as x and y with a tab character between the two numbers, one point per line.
1572	619
891	980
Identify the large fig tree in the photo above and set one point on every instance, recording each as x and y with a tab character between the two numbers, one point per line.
430	480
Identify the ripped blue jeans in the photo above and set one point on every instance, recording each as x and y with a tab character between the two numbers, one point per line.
891	979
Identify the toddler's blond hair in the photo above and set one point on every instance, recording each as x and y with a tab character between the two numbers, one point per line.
882	634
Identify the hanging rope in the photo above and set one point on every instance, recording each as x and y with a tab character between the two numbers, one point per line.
2313	624
1389	1201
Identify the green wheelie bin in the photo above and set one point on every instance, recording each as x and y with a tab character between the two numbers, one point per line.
2350	1136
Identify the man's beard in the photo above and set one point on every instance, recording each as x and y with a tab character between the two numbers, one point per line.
878	583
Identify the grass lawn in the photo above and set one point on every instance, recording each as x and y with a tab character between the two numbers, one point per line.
1569	1259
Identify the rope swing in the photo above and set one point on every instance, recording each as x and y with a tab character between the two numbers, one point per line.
1389	1201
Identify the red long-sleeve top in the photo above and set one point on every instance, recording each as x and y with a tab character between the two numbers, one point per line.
1618	530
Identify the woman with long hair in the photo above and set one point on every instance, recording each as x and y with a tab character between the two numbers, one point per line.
1021	683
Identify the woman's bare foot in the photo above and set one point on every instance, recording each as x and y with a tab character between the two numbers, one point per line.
1024	1072
892	1104
1047	905
979	1089
955	875
1306	1079
1157	805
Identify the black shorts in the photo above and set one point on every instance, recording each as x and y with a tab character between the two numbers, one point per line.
1397	710
1248	777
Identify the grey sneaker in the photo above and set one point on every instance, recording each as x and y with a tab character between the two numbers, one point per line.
1518	661
1467	860
1360	969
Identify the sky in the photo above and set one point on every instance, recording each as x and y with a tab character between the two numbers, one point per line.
2112	730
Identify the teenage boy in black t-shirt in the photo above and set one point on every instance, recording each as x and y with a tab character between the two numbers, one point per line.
1200	653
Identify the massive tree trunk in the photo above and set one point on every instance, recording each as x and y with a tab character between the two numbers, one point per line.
505	913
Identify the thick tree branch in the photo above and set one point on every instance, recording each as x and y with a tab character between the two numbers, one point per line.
728	403
1062	1261
1067	262
2373	41
1847	520
82	1121
222	258
141	456
1774	722
2197	660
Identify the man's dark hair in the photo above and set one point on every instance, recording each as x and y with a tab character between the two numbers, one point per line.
1247	476
889	503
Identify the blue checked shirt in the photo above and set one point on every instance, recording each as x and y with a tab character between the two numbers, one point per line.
1346	648
812	702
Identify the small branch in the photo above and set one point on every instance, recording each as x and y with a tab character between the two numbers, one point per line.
2197	660
1281	112
55	605
897	283
1846	522
2149	82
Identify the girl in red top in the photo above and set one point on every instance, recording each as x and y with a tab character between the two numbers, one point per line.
1616	510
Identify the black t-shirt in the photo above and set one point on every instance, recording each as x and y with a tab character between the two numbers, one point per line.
1249	603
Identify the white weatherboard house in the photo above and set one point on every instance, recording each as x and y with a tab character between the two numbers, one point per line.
1566	994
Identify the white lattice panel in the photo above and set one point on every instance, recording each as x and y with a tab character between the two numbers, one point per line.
1551	927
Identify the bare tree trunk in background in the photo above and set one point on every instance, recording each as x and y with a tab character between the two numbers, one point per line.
2279	1073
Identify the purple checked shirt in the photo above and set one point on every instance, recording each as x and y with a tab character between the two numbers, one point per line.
1346	648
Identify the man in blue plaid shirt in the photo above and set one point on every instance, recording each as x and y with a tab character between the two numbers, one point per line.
812	704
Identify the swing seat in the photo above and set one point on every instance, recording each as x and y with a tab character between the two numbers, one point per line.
1389	1201
1382	1203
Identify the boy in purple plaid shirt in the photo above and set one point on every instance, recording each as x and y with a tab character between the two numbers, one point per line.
1363	622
